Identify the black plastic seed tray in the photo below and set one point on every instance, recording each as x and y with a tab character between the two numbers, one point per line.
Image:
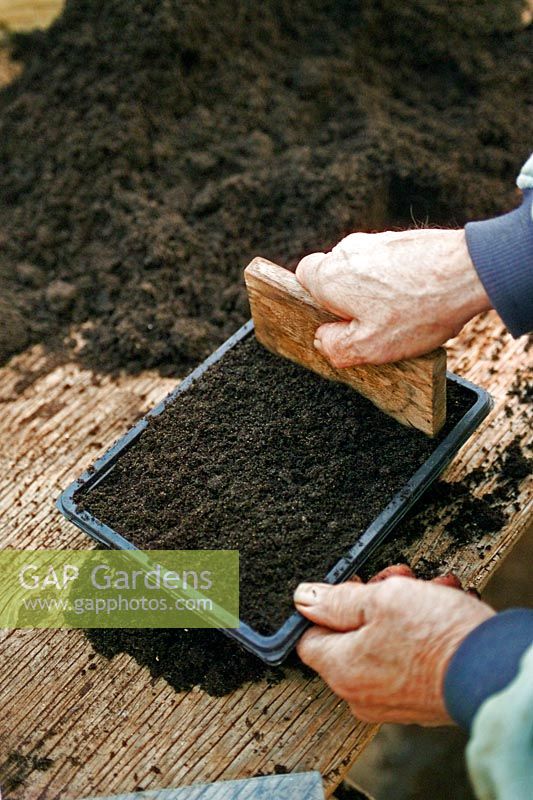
273	649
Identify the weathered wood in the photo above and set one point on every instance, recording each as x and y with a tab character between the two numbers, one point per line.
107	725
286	317
8	68
24	15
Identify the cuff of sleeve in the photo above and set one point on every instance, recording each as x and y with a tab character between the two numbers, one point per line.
502	252
485	662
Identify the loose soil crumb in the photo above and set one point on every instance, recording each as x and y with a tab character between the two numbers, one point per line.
522	387
264	457
516	465
17	768
466	518
205	658
475	519
142	171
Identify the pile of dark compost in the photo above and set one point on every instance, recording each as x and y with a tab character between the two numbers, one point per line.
149	149
264	457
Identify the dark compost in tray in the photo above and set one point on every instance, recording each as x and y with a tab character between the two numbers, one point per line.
264	457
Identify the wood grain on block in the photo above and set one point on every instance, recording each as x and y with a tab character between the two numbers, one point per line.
286	317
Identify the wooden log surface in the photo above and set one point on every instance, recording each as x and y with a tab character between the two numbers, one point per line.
107	726
8	68
25	15
286	317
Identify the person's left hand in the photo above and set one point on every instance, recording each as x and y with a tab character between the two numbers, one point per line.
385	646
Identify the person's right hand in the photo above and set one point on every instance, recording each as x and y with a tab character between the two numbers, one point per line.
385	646
399	294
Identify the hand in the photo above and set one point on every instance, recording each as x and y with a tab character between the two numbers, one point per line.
384	647
399	294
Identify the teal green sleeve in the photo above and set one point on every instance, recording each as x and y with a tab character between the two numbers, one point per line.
500	751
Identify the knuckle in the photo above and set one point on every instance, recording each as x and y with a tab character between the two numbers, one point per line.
303	651
340	360
327	267
353	240
361	710
389	590
304	646
309	267
337	605
341	688
341	346
342	357
307	648
376	350
367	714
300	267
301	271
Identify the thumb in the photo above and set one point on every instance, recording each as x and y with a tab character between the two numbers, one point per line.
339	608
337	342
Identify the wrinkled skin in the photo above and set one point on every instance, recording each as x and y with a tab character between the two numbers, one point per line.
398	294
384	647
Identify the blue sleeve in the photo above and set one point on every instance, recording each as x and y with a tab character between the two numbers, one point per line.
486	662
502	252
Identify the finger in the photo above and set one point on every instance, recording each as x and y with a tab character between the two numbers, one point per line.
341	608
395	569
307	270
337	342
319	273
404	715
448	580
320	648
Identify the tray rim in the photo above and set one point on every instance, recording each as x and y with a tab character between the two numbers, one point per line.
274	648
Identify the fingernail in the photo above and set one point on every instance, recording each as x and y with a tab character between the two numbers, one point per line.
318	344
307	594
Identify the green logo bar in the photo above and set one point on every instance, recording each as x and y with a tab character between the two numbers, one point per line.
119	589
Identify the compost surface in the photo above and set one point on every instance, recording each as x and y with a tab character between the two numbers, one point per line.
263	457
149	149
